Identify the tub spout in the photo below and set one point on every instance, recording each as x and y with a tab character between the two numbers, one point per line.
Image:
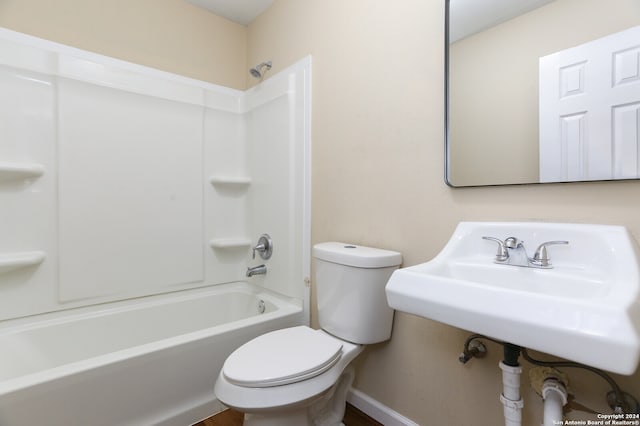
256	270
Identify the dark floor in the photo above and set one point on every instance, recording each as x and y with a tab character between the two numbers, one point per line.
352	417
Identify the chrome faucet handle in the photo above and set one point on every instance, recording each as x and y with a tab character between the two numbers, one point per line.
259	248
541	257
502	254
264	247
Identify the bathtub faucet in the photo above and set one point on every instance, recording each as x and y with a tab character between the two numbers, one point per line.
257	270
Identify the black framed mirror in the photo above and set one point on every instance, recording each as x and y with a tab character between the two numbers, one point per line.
542	91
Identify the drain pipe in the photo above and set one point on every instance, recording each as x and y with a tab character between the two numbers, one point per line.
552	385
554	394
510	396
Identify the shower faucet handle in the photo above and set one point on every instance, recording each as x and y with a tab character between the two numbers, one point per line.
264	247
260	248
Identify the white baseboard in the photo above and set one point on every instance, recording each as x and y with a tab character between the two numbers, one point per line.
377	410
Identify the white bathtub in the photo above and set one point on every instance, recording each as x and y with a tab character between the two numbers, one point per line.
151	361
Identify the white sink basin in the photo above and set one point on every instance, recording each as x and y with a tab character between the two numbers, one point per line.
585	309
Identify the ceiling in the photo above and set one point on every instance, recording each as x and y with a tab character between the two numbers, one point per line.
468	17
240	11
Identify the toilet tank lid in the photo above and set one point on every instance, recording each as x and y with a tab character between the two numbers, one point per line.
355	255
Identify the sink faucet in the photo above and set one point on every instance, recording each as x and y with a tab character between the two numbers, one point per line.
517	254
511	251
256	270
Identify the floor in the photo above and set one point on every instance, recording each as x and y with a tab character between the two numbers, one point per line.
352	417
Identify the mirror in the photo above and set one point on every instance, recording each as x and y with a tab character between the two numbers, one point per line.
542	91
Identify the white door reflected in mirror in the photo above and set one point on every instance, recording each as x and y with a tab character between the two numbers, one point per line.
590	110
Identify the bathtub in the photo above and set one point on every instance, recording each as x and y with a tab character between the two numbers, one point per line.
150	361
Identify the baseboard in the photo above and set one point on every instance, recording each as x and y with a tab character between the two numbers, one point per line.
376	410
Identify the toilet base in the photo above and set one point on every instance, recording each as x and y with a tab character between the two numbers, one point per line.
327	411
297	419
290	418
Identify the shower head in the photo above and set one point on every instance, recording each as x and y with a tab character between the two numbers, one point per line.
258	70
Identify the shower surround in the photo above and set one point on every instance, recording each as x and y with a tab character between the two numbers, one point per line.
121	184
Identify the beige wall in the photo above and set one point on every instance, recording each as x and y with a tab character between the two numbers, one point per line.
378	170
171	35
377	159
494	86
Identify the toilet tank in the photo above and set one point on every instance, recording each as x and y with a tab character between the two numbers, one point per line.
350	282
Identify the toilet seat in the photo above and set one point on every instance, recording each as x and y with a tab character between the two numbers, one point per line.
282	357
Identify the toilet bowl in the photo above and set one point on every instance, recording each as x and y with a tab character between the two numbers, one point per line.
306	383
300	376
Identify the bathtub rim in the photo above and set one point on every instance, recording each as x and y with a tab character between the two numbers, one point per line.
285	306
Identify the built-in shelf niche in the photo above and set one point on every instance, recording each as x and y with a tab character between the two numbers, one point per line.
230	181
19	171
19	260
229	243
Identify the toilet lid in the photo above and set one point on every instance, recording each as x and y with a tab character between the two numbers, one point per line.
281	357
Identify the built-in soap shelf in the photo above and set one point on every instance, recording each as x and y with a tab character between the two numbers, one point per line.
18	171
229	243
18	260
230	181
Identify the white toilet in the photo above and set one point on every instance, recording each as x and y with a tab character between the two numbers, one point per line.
300	376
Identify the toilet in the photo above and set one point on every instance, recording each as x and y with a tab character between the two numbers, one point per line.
300	376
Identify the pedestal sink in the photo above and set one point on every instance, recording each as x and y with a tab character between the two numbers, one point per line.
585	308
